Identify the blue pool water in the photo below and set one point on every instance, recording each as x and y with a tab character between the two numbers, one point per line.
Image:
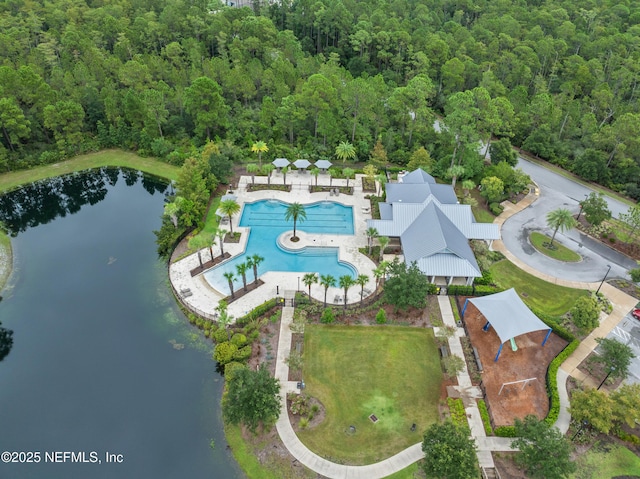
266	220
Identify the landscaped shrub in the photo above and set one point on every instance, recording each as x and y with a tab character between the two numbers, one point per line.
220	335
486	420
635	275
299	404
586	313
231	368
257	312
505	431
239	340
486	279
496	208
381	316
552	381
458	414
224	352
242	354
327	316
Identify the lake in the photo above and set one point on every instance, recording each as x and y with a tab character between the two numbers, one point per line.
103	361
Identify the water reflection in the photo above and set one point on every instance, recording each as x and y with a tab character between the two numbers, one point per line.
43	201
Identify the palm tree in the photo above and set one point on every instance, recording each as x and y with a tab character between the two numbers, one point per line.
242	271
467	185
284	175
362	280
259	147
561	219
384	241
198	242
345	283
229	208
230	277
345	151
371	233
295	212
348	173
380	272
315	172
454	172
212	242
221	233
327	280
310	279
254	262
267	169
171	210
332	173
252	169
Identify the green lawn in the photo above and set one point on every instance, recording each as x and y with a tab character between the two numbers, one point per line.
9	181
559	252
608	462
536	293
355	371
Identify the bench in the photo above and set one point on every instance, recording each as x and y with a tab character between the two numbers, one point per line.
444	351
477	356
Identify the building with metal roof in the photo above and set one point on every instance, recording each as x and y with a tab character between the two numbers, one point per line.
432	228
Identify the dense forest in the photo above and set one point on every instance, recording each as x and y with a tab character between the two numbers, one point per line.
557	78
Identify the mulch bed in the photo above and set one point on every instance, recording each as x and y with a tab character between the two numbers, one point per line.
531	360
209	264
240	292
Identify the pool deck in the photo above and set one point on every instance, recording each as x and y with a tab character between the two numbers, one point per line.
202	298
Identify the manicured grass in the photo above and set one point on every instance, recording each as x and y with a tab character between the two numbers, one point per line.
245	457
211	221
9	181
536	293
355	371
482	215
609	461
6	259
559	252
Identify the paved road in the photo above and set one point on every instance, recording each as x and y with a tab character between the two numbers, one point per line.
556	191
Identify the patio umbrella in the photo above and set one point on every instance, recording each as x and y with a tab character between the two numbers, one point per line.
280	162
323	164
225	197
302	164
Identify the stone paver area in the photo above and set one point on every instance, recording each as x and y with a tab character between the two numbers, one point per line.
200	297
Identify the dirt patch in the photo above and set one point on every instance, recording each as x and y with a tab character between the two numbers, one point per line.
531	360
507	467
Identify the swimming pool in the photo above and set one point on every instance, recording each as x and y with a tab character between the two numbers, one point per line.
266	221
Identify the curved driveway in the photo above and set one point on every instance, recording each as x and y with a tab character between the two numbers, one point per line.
556	191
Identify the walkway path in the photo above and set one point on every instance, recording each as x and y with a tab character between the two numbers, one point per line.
622	303
403	459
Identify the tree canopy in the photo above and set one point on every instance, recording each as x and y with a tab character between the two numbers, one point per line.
302	78
449	452
251	398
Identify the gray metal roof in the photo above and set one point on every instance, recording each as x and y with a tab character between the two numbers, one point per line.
447	265
433	233
302	163
508	315
418	176
280	162
323	164
419	193
434	229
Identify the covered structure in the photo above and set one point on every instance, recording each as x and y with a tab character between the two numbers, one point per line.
323	165
432	228
508	315
280	163
228	196
302	164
